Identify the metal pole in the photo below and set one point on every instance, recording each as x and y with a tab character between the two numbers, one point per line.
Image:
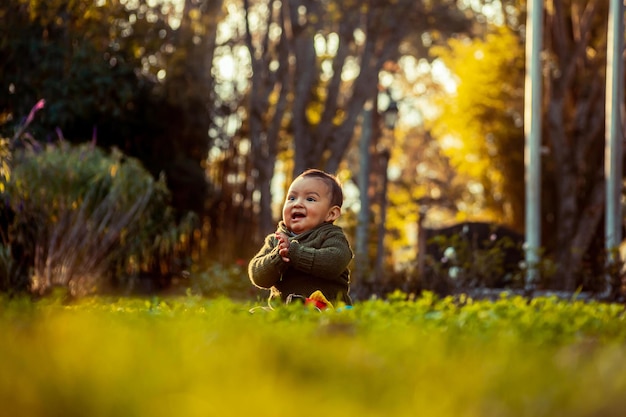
361	266
532	132
613	136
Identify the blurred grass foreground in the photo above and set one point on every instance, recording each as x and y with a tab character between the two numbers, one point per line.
191	356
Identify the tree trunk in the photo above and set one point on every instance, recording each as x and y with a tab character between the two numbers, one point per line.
576	135
382	229
265	127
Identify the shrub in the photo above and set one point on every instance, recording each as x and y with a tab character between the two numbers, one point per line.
81	215
472	255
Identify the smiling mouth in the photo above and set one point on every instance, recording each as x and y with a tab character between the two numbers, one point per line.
297	216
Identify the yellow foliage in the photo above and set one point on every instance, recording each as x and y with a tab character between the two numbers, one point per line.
314	113
480	125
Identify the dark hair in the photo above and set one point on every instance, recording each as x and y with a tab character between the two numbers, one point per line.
336	193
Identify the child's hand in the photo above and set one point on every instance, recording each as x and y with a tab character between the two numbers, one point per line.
283	245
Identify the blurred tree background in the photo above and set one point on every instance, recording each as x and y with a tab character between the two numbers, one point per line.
228	100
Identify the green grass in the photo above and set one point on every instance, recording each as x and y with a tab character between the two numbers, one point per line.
426	357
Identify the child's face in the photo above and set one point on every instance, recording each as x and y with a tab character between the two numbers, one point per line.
308	205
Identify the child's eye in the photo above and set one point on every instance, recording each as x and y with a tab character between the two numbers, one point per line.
291	198
310	199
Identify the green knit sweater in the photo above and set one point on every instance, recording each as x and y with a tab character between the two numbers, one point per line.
319	260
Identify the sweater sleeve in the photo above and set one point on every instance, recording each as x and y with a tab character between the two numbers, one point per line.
267	266
327	259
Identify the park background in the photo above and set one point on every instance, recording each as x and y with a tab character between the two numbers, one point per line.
145	149
147	144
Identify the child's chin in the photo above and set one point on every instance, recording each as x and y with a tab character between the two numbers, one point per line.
297	229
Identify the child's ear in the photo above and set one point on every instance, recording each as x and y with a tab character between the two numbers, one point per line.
333	214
